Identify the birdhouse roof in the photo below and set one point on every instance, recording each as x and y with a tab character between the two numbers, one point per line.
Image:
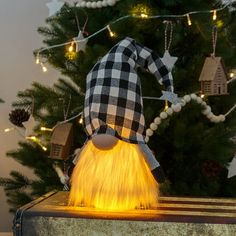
210	67
61	133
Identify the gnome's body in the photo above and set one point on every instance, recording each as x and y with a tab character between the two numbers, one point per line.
114	120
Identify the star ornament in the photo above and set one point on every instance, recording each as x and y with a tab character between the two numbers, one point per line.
232	168
29	126
80	42
170	96
54	6
168	60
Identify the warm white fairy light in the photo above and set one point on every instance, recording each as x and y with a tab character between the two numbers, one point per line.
33	138
166	106
189	20
231	75
44	68
71	47
37	60
8	130
214	17
112	34
81	120
45	129
143	15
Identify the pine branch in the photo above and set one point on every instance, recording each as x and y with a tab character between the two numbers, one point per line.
17	182
17	199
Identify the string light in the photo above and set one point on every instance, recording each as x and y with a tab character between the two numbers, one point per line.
166	105
36	140
71	48
214	15
231	75
81	120
189	20
44	148
45	129
44	68
142	13
8	130
37	60
31	138
112	34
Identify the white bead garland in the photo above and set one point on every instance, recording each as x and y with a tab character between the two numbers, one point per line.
222	118
157	120
169	111
187	98
177	108
98	4
153	126
199	100
149	132
182	103
193	96
163	115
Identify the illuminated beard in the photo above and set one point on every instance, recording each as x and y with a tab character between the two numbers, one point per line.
116	179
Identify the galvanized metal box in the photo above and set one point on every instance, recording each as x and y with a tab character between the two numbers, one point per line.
50	215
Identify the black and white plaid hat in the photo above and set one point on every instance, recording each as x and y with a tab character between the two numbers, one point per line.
113	101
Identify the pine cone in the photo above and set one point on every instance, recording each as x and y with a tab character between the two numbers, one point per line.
18	116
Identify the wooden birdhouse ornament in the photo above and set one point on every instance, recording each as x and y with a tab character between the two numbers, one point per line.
61	141
213	77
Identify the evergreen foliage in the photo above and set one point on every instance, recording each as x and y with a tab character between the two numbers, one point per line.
187	145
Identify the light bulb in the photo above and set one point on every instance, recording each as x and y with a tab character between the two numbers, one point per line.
81	120
37	60
8	130
71	48
143	15
44	68
112	34
231	75
166	105
189	20
33	138
45	129
214	15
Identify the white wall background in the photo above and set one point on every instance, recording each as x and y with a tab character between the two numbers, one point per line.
19	20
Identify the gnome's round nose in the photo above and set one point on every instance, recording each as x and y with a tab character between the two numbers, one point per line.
104	141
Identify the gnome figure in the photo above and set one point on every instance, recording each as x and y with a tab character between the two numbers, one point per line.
115	161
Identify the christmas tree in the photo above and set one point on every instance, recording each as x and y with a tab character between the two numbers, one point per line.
193	148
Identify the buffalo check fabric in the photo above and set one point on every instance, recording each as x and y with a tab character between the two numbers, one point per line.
113	100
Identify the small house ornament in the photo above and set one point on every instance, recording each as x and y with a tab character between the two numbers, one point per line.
213	77
61	141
